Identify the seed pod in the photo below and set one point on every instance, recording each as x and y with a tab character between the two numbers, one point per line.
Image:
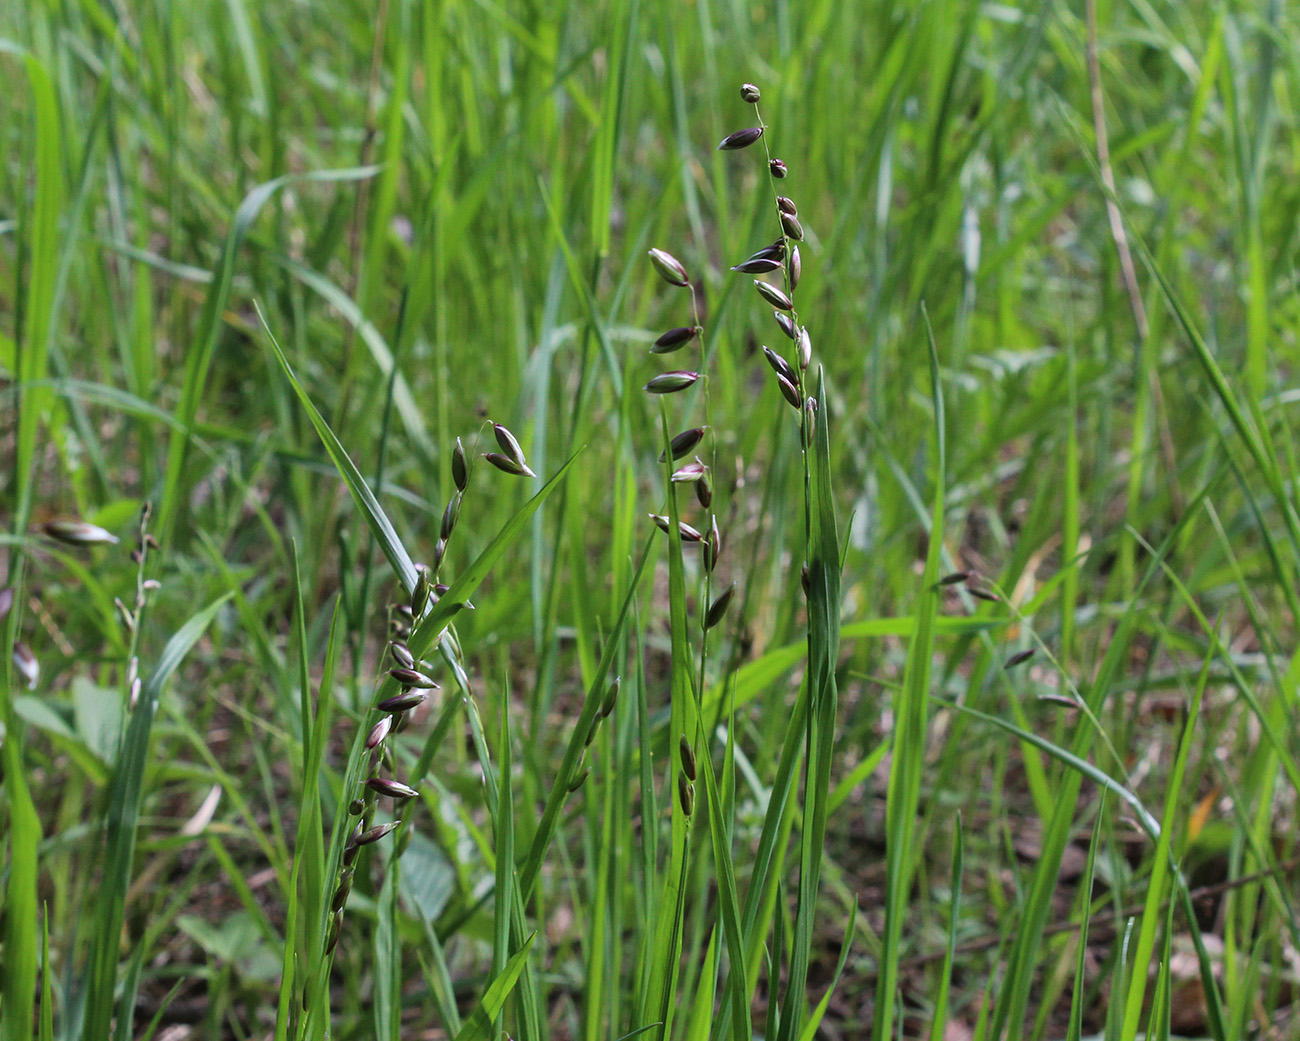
1019	658
777	169
686	795
579	780
805	579
805	348
749	92
25	662
669	267
740	139
77	533
773	295
792	226
795	268
675	339
712	546
413	678
786	205
376	833
671	382
689	473
760	266
718	609
506	465
459	467
787	325
704	492
379	731
403	702
402	654
687	754
450	516
684	443
393	789
611	698
779	365
790	391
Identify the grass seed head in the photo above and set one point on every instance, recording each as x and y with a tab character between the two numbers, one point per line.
507	465
670	269
686	794
704	491
6	600
787	325
610	699
773	296
402	654
378	732
779	365
78	533
509	443
450	516
392	789
794	268
376	833
777	169
413	678
712	546
805	348
683	443
792	227
579	780
757	266
740	139
687	754
672	382
786	205
459	467
790	392
1019	658
675	339
718	609
689	473
403	702
750	93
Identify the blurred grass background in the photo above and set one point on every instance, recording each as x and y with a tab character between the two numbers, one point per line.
442	209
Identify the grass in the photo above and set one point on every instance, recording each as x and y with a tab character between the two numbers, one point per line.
263	265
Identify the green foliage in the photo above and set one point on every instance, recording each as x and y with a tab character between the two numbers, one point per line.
264	264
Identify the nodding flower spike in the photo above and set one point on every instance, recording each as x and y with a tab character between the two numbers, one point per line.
740	139
78	533
670	269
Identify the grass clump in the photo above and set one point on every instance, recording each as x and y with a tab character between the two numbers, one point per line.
936	682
